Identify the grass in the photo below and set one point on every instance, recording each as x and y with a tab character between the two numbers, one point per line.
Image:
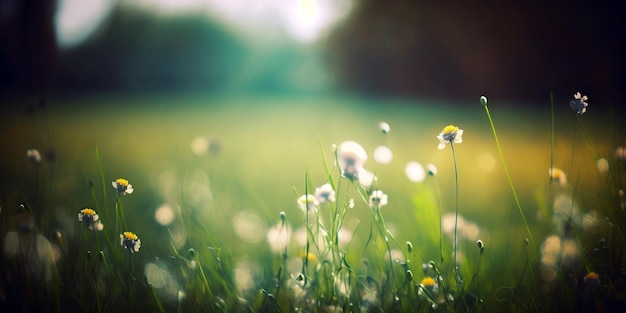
215	254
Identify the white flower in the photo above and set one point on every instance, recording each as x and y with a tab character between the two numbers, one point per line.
384	127
432	169
350	158
378	199
366	178
33	156
308	203
450	134
325	193
579	104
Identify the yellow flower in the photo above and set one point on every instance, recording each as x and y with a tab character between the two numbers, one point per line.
90	218
130	241
122	186
450	134
592	275
558	175
429	284
310	257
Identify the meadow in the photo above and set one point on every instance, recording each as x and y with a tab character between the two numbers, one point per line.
198	203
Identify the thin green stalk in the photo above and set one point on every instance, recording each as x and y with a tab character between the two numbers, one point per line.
457	276
551	141
587	139
440	226
104	188
508	176
305	259
456	214
120	217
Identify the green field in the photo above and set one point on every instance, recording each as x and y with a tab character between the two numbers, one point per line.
262	152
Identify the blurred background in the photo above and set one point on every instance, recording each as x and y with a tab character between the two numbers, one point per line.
215	110
453	50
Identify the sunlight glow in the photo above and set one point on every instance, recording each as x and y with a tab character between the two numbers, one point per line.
76	20
304	20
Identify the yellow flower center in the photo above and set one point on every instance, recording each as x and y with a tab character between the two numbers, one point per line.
450	129
428	282
593	275
122	181
88	211
310	257
130	235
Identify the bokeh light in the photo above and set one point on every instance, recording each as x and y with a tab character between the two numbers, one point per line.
415	172
383	155
164	215
248	226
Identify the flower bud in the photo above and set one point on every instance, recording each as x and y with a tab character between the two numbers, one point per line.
483	100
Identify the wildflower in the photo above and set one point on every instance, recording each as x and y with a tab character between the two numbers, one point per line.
308	203
565	213
409	275
33	156
90	219
409	247
122	186
309	257
378	199
593	279
450	134
366	178
432	169
579	103
429	284
429	269
350	158
325	193
130	241
483	100
384	127
481	246
558	175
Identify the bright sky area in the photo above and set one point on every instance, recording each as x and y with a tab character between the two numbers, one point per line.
304	21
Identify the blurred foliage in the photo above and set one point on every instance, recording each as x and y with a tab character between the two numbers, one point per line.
137	51
450	50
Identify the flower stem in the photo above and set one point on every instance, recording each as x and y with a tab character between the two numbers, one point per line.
456	214
508	176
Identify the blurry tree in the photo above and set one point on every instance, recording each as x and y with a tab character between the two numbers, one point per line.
27	44
138	51
458	49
